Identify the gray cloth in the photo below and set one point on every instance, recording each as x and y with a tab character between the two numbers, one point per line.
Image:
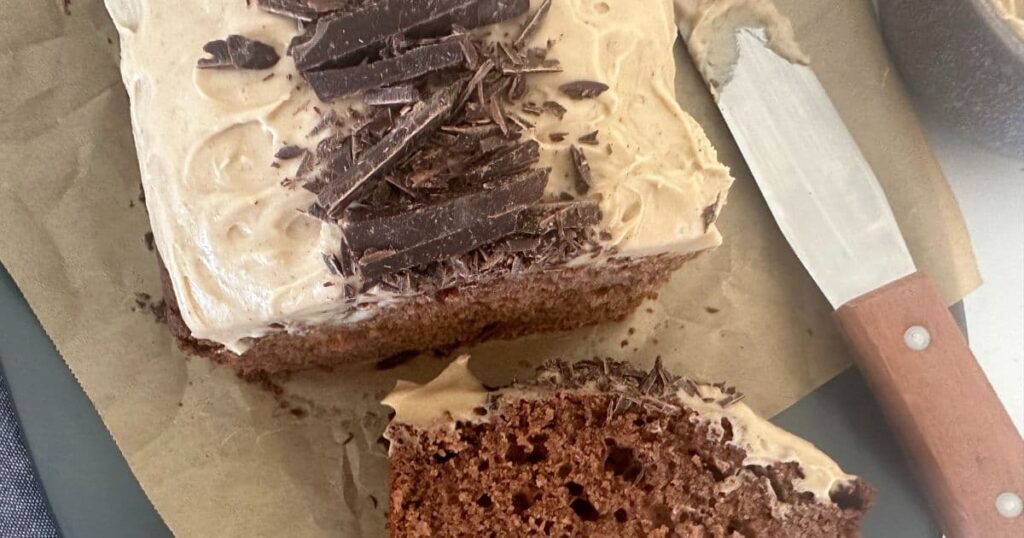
24	510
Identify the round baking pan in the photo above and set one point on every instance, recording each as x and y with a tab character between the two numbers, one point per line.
964	60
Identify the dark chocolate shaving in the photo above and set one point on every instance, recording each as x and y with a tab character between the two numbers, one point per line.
710	213
531	25
434	232
238	52
498	114
392	96
555	109
532	109
515	159
334	83
288	153
589	139
560	216
332	263
547	66
584	178
558	137
424	118
583	89
346	38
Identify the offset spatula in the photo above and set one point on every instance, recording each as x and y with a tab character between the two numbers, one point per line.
832	210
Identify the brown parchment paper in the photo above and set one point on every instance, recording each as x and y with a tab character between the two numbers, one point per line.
220	457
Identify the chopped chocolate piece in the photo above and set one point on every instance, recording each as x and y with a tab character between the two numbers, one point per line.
532	109
547	66
390	230
333	83
547	217
346	38
288	153
558	137
584	179
150	241
512	55
555	109
498	115
475	82
431	233
238	52
478	131
710	213
513	161
347	181
493	143
583	89
589	139
391	96
531	25
470	53
518	121
307	10
332	263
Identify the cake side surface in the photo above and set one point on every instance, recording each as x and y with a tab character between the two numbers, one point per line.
507	308
598	448
243	257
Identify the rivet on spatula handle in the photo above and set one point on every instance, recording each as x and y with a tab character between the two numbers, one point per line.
966	451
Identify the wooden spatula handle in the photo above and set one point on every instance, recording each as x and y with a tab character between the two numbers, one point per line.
950	422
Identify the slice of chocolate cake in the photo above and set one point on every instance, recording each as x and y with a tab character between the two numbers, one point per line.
598	448
346	180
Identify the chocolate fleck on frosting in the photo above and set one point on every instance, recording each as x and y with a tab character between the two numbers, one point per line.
289	152
656	388
238	52
589	139
555	109
710	213
583	89
584	178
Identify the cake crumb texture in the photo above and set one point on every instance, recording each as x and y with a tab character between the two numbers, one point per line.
562	467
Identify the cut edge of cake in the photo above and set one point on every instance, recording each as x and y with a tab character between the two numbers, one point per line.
597	447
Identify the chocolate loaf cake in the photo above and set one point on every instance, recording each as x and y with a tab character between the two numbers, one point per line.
598	448
350	180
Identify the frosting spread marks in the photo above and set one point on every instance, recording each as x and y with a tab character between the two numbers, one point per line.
709	28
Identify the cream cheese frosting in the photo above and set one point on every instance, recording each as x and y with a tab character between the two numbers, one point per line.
240	254
1012	11
457	395
709	28
452	396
